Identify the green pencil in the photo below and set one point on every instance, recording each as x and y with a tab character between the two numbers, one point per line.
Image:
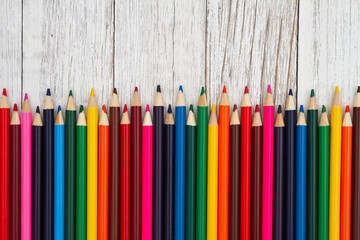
81	176
312	169
190	172
201	168
70	160
323	223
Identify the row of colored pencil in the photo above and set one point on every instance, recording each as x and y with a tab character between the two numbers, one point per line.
166	178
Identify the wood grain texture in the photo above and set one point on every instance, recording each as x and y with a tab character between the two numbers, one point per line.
329	50
251	43
10	49
68	45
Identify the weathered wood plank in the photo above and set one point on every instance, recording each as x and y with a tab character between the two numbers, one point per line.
251	43
10	49
68	45
329	50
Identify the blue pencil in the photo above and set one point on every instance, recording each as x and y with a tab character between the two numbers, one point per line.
180	125
300	200
59	176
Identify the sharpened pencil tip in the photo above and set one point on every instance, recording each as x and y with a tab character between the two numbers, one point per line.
48	93
147	108
37	109
312	94
291	92
59	108
246	90
26	97
213	108
301	108
104	108
92	93
136	89
202	91
70	93
323	108
337	89
158	89
15	107
115	91
224	89
81	108
181	88
257	109
279	109
234	107
125	108
358	90
4	92
269	89
347	108
191	108
169	109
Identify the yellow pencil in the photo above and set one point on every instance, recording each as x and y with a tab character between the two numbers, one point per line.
212	187
335	167
92	166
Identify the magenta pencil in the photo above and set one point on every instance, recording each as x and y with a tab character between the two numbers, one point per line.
26	122
268	148
147	172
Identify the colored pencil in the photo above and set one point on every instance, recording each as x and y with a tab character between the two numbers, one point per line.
15	177
114	167
323	216
26	118
312	169
234	175
190	176
345	200
224	121
59	176
70	168
245	166
335	167
180	130
47	170
103	193
4	165
212	187
125	175
268	148
290	159
201	168
81	175
135	193
355	182
147	175
37	131
300	200
92	166
256	175
279	175
158	165
169	166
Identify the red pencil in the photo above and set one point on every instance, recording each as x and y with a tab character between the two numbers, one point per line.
4	166
245	166
125	175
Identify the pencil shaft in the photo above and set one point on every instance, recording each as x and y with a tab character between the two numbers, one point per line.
158	172
290	159
312	175
355	182
125	182
59	181
190	183
70	168
169	166
323	218
256	182
279	180
179	221
234	182
36	182
81	176
15	179
26	118
300	202
114	173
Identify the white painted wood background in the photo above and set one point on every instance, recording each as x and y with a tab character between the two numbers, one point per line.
298	44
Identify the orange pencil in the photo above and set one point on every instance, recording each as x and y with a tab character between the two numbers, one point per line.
223	208
345	195
103	176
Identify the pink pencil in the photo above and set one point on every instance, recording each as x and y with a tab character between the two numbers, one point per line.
26	121
147	172
268	146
